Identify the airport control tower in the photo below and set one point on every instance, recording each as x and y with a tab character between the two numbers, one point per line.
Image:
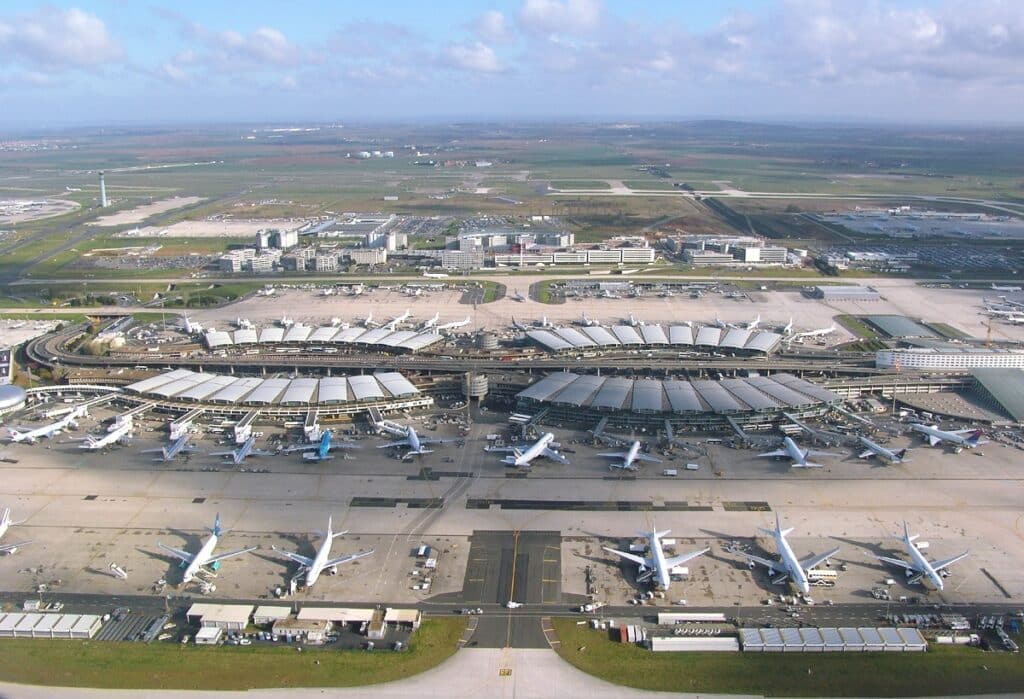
103	192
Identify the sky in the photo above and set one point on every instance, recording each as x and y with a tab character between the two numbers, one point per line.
112	62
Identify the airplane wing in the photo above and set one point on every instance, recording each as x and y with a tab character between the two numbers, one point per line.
301	447
152	451
229	554
806	464
347	558
815	561
639	560
390	445
428	440
554	455
945	563
614	454
898	562
260	452
812	452
679	560
183	555
504	450
11	547
346	445
933	440
222	453
647	457
866	454
301	560
777	452
757	559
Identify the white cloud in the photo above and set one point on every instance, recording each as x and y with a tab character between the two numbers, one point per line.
57	39
493	26
477	58
560	16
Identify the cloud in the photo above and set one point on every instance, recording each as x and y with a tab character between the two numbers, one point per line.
57	39
560	16
475	58
493	26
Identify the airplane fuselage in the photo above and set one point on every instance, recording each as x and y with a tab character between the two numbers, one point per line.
881	451
535	450
792	564
323	554
795	453
922	565
944	436
662	575
200	559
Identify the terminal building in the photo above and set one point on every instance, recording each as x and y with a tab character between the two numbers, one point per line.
695	404
657	337
949	359
300	336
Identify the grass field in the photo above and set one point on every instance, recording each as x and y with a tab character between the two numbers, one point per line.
941	671
858	327
171	666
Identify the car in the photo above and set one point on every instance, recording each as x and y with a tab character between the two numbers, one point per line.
245	642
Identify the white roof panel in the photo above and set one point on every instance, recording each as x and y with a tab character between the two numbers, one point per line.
682	397
268	391
396	384
627	335
806	387
175	387
364	387
299	392
548	386
574	337
217	338
298	333
613	393
333	389
323	334
647	395
425	339
717	397
708	336
551	341
783	394
236	391
578	393
748	394
764	341
147	385
680	335
396	339
736	338
653	335
207	388
273	334
601	336
349	335
246	336
372	337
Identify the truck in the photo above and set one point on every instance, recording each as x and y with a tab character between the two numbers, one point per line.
591	607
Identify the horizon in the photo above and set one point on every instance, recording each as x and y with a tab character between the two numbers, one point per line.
896	62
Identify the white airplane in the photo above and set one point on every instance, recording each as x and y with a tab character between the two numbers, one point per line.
634	321
798	455
409	438
196	563
545	323
874	449
655	566
313	567
178	446
31	436
920	567
285	321
356	290
821	332
788	328
752	325
368	321
630	457
431	322
243	324
6	523
962	439
789	565
587	322
996	287
319	450
246	449
454	325
328	291
1013	320
544	447
190	326
608	294
120	434
393	323
517	296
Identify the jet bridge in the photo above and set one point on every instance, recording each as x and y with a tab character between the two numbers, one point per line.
177	428
599	427
128	416
311	428
65	409
243	428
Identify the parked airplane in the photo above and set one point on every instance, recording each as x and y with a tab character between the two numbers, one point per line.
518	326
246	449
996	287
168	453
789	565
517	296
655	566
393	323
412	440
1013	320
454	325
285	321
634	321
545	323
356	290
319	450
120	434
798	455
545	447
874	449
587	322
196	564
962	439
752	325
629	458
821	332
920	567
431	322
368	321
788	328
313	567
6	523
32	435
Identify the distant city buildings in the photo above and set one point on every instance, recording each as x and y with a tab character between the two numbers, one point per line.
701	250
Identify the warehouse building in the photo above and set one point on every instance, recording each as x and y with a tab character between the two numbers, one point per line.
232	617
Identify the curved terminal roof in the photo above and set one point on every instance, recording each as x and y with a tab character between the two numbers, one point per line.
411	340
182	384
752	394
707	336
627	335
653	335
298	333
680	335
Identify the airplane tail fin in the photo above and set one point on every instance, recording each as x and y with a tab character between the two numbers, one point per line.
216	530
975	438
330	527
901	454
908	537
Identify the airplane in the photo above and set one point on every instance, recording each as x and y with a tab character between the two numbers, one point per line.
285	321
798	455
719	323
412	440
635	321
31	436
414	291
196	563
963	439
313	567
629	458
996	287
789	565
518	296
431	322
121	433
788	328
356	290
821	332
587	322
190	326
608	294
545	323
246	449
518	326
752	325
874	449
328	291
243	324
393	323
368	321
1013	320
6	523
454	325
920	567
168	453
544	447
319	450
655	566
